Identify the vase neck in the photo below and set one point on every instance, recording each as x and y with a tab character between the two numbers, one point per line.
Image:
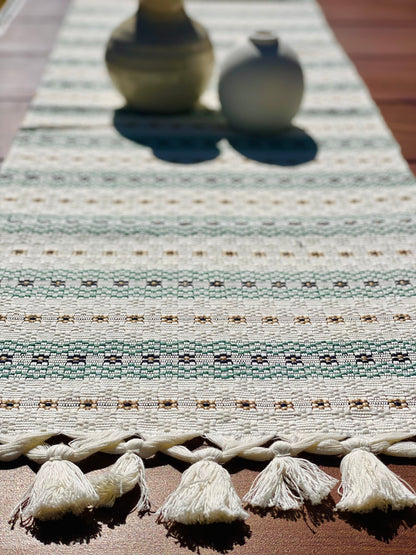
162	7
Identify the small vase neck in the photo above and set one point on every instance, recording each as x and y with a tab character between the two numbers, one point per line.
264	38
266	43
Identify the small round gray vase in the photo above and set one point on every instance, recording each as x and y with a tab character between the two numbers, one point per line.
261	85
160	59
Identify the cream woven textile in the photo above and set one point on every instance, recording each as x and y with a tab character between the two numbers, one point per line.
165	277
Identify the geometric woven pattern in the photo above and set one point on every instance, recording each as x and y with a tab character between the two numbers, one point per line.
167	274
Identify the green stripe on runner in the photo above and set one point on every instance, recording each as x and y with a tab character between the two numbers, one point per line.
194	138
220	360
188	283
233	180
209	226
340	112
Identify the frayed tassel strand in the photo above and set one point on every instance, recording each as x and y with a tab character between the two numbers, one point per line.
119	479
59	487
287	482
368	484
204	496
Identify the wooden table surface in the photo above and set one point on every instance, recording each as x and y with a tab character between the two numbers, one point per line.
380	38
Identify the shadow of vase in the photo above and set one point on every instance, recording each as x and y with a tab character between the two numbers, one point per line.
194	138
178	139
290	147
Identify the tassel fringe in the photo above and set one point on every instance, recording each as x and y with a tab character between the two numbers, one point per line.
287	482
119	479
204	496
59	487
368	484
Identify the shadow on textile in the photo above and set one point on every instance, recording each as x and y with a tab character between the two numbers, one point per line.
194	138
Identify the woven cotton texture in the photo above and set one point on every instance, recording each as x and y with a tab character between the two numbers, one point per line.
162	275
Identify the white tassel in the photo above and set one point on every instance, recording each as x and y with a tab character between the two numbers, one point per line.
368	484
59	487
121	478
204	496
287	482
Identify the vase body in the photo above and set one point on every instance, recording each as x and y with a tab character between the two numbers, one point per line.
261	85
159	59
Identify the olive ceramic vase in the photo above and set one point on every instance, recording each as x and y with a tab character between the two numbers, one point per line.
160	59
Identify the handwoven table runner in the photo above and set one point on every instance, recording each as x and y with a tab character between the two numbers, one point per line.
164	278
